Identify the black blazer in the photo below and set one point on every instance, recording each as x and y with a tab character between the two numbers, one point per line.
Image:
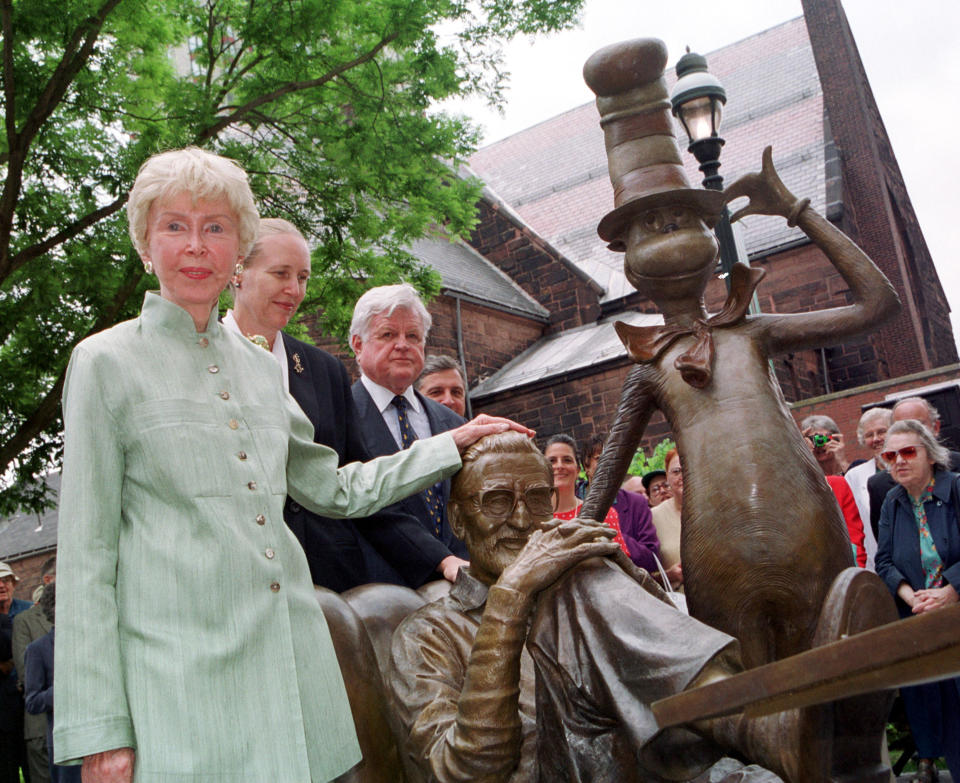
340	552
379	441
881	482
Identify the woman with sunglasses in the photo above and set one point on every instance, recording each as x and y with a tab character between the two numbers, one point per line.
918	556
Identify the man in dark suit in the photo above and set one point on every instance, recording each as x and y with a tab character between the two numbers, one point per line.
387	334
881	482
390	546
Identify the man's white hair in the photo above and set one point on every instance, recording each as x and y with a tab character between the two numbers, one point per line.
383	300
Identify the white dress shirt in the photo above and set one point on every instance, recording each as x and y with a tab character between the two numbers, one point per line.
383	399
857	478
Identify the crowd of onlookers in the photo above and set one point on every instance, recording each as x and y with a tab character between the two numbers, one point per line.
902	511
26	681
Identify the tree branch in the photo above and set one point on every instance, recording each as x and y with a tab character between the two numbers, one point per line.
37	250
76	54
233	78
292	87
9	93
46	411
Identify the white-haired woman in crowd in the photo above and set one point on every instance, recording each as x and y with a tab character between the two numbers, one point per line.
190	646
826	442
918	556
871	432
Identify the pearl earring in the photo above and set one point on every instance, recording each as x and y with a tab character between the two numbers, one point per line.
238	270
148	267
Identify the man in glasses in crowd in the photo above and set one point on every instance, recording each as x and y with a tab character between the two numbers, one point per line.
543	660
658	490
881	482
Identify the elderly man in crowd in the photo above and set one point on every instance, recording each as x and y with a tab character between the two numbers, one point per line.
388	334
13	754
28	626
879	484
542	661
871	431
442	380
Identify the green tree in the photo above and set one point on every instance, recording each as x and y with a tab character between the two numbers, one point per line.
329	104
640	464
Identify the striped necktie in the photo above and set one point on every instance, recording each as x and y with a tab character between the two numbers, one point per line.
407	437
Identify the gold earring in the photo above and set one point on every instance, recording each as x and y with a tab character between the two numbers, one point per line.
148	267
238	270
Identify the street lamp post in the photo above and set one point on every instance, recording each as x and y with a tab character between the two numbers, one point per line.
697	99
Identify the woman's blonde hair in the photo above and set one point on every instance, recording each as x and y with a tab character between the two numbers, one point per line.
205	176
270	227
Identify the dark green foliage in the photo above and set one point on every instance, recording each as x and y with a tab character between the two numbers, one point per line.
327	103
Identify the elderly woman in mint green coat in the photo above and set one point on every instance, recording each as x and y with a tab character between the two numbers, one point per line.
189	644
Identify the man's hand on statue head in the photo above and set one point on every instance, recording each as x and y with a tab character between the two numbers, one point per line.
767	193
555	548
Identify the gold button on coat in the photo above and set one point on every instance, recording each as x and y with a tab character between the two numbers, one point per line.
275	586
224	395
270	554
233	424
251	485
203	342
261	519
213	369
241	455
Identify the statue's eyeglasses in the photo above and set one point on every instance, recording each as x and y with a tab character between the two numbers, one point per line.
499	504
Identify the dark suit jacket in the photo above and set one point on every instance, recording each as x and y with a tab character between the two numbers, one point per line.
341	552
379	441
881	482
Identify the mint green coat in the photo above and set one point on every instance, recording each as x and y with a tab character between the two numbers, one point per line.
187	627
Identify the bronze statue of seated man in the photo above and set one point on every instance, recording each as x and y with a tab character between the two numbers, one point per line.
541	663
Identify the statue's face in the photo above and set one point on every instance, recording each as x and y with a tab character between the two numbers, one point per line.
669	243
498	502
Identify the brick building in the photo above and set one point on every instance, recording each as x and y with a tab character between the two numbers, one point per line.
529	302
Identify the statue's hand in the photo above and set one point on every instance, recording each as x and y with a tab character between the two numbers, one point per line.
767	193
552	551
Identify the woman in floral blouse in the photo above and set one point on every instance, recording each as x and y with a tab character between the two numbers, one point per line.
918	556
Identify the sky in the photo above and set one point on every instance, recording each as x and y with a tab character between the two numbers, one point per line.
909	50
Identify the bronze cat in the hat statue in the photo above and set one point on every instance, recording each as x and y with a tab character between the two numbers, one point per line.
763	546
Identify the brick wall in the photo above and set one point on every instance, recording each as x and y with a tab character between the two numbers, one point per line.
878	212
576	405
536	267
491	338
845	407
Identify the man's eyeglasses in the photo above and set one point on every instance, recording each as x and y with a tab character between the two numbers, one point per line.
499	504
907	452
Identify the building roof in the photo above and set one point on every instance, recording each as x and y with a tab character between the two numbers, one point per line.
26	533
467	273
563	352
555	177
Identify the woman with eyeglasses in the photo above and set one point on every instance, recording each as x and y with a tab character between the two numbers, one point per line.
561	451
918	556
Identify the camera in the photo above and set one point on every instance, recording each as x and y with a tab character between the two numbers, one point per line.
819	441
